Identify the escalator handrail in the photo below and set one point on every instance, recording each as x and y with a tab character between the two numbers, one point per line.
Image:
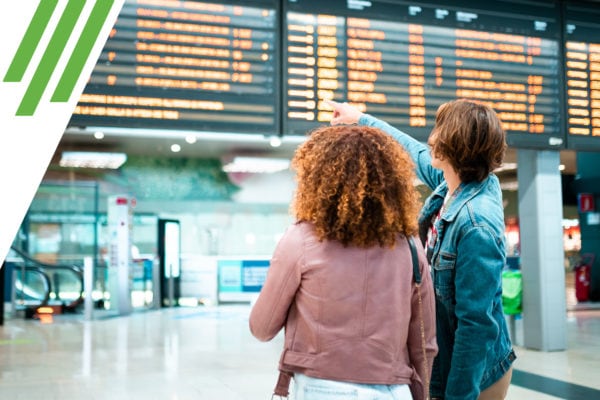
27	257
75	269
45	279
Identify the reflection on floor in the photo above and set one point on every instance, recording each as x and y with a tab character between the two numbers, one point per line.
208	353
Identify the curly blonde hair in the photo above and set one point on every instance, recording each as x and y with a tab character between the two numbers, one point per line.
356	186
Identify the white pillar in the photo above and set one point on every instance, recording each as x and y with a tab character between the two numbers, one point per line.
542	252
120	226
88	288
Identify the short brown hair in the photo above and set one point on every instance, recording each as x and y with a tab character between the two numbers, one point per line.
470	136
356	185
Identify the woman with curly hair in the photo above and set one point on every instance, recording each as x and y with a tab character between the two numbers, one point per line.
341	278
462	228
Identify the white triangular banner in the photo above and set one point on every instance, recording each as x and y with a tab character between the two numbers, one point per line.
27	142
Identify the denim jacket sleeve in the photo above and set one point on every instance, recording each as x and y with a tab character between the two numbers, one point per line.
477	280
269	313
418	151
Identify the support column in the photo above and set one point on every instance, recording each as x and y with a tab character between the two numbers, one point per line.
88	288
542	252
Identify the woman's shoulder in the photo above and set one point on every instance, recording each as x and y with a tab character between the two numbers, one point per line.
300	230
303	227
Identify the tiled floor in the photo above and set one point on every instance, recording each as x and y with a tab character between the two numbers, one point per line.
208	353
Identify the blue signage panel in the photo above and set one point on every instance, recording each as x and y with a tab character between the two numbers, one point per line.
254	273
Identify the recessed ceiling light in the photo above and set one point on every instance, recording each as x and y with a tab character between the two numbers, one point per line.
99	135
191	139
90	159
256	165
175	148
275	141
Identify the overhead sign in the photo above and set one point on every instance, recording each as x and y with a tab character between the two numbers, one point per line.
400	62
187	65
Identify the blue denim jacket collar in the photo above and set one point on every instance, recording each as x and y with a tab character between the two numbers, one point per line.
465	193
433	203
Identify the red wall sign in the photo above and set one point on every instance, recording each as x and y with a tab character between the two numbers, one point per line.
586	202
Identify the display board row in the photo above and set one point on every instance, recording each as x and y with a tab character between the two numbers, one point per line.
266	66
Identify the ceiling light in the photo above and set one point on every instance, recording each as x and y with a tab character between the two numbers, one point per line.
256	165
99	135
89	159
175	148
275	141
191	139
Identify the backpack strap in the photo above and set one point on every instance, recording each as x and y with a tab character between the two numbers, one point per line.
417	277
415	260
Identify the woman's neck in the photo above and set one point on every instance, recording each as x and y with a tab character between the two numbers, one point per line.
452	179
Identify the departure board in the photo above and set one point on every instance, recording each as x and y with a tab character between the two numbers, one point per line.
582	69
188	65
399	61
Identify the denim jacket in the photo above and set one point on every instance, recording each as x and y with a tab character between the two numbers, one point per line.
467	261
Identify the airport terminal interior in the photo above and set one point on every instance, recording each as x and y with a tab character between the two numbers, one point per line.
134	271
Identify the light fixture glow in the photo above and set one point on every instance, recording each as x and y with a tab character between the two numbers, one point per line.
275	141
256	165
175	148
191	139
90	159
99	135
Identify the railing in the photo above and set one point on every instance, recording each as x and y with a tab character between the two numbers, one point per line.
38	283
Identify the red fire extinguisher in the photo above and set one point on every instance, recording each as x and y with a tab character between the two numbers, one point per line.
583	273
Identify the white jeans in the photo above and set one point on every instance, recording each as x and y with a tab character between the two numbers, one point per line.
307	388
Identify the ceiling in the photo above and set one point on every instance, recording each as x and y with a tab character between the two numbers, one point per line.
158	143
211	145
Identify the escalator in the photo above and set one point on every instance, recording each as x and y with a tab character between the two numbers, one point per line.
40	284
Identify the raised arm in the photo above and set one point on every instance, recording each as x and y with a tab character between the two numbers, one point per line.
345	114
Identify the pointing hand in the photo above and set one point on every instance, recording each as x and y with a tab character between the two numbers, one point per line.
343	113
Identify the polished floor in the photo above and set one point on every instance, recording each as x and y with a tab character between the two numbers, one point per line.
209	353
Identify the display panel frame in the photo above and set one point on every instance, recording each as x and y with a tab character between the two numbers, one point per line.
214	111
526	17
582	22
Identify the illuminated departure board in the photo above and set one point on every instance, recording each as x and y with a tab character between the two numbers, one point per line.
582	69
188	65
400	61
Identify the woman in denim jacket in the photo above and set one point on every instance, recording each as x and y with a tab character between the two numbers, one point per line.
462	227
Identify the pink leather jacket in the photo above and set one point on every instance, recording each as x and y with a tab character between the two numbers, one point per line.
350	314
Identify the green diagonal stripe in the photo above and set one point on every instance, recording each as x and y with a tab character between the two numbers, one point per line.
82	51
30	41
50	58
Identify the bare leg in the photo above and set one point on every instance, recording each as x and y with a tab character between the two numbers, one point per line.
499	389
